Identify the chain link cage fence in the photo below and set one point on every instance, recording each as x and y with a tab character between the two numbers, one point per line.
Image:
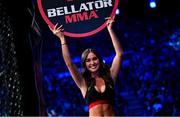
10	82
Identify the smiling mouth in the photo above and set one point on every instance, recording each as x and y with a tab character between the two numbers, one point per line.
93	67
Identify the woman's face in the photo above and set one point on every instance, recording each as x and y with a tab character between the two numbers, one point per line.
92	63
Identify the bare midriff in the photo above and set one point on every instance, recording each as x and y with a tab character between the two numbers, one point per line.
101	110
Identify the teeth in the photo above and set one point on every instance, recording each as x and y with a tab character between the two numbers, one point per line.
93	67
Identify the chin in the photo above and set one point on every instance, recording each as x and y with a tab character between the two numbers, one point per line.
94	71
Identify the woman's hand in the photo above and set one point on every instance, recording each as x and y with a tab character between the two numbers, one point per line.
58	31
110	21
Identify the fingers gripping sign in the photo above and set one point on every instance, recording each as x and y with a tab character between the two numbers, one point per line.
109	22
58	31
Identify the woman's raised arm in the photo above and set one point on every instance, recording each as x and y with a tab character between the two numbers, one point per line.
115	67
76	75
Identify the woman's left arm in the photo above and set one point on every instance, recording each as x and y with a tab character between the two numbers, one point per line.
115	67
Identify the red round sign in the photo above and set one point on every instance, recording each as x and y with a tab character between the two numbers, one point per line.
80	18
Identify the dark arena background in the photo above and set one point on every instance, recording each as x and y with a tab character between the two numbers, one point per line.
35	81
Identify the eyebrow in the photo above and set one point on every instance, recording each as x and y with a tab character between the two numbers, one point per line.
92	58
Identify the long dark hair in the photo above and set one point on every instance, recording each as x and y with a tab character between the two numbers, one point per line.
104	69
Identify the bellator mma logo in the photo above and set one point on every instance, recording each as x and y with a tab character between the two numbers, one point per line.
79	18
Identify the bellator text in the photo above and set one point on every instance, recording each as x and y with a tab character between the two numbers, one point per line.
74	14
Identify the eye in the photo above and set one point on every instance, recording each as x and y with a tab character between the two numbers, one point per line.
87	60
95	58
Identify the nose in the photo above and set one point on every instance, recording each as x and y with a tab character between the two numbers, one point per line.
92	62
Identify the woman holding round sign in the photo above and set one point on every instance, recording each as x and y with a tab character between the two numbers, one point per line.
97	80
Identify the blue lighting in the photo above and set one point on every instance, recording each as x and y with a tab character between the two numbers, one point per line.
152	4
67	105
117	11
157	106
175	40
86	108
126	63
173	62
63	74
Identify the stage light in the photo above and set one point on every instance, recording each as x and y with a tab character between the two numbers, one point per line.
117	11
152	4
